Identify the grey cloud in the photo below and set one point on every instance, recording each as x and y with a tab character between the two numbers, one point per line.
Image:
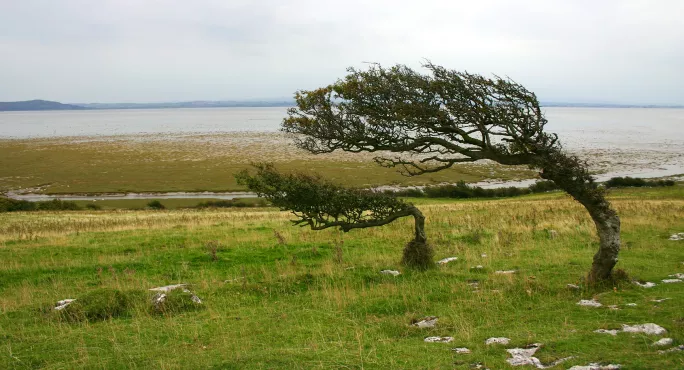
142	50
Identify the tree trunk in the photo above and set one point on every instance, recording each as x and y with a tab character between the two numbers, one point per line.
418	253
571	175
608	227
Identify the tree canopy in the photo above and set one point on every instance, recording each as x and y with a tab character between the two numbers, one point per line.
436	120
320	204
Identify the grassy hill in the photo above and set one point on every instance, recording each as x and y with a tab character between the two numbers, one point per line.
32	105
277	296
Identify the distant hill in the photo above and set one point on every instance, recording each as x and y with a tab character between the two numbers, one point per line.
32	105
606	105
40	105
193	104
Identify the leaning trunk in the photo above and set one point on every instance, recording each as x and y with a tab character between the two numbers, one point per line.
418	253
571	175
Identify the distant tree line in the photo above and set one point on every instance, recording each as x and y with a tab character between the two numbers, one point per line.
631	182
14	205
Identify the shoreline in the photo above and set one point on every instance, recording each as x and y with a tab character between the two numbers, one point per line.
673	172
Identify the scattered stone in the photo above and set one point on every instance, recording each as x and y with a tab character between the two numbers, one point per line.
678	276
233	280
483	255
660	300
589	303
478	365
390	272
63	304
525	356
444	261
497	340
650	328
439	339
677	236
428	322
604	331
168	288
595	366
631	305
573	287
461	350
647	284
673	349
161	296
505	272
613	307
671	281
158	299
478	267
663	342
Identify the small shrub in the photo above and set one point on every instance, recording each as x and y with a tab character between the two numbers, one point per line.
232	203
93	206
155	204
13	205
175	301
99	305
543	186
418	255
279	236
212	249
631	182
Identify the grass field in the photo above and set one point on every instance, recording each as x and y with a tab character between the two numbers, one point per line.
194	163
278	296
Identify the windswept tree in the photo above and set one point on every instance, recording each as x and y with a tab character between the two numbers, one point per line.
320	204
443	118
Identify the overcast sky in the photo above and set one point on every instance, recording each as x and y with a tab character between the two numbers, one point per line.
620	51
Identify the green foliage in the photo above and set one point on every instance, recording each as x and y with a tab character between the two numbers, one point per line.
93	206
155	204
100	304
175	302
231	203
319	203
418	255
14	205
627	182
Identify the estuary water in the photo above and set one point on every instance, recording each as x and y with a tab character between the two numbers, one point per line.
578	128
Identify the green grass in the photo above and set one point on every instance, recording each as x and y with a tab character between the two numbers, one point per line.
153	164
294	305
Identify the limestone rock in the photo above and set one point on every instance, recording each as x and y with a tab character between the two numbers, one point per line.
497	340
589	303
428	322
63	304
444	261
650	328
438	339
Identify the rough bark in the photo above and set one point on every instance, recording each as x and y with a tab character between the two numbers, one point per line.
418	253
571	175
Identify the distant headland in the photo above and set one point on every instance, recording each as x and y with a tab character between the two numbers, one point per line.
46	105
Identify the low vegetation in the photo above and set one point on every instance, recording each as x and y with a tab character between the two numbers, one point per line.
13	205
275	296
631	182
167	164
